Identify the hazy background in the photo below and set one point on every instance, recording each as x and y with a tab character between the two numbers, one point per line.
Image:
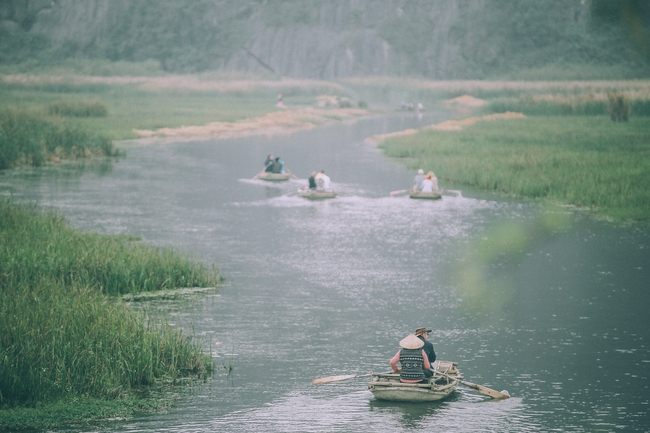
459	39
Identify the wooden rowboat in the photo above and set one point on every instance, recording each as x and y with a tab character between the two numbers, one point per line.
388	386
434	195
274	177
315	194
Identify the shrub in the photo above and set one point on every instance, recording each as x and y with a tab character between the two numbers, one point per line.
93	108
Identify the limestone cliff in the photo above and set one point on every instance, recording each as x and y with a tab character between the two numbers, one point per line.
320	39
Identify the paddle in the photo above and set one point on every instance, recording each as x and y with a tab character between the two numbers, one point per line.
453	191
330	379
258	174
401	191
479	388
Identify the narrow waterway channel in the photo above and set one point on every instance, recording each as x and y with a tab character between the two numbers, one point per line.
549	304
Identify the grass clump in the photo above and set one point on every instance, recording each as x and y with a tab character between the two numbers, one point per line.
582	161
74	410
27	139
61	337
35	247
92	108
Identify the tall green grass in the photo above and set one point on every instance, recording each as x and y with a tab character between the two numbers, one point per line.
566	105
28	139
582	161
61	336
86	108
36	247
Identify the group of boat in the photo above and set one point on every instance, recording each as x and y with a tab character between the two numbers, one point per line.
318	194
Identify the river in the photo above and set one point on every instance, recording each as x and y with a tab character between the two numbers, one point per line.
549	304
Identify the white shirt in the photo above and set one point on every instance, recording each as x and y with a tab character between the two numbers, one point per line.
326	182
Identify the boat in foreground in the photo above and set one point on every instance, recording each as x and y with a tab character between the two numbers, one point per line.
315	194
433	195
387	386
274	177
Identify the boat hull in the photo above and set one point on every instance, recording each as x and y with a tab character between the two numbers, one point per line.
388	386
435	195
318	195
274	177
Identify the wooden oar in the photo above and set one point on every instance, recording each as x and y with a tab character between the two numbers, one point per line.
401	191
479	388
330	379
258	174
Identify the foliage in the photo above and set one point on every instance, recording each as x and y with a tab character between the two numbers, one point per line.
36	248
60	336
583	161
27	139
74	410
509	39
92	108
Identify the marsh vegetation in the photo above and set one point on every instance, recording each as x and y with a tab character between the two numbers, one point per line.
62	337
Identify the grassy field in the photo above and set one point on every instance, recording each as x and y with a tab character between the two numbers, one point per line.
578	160
156	102
63	339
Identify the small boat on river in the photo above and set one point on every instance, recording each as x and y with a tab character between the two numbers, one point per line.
433	195
318	194
274	177
387	386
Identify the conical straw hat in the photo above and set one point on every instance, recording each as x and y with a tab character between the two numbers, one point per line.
411	342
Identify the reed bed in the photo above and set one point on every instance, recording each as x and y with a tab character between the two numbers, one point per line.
28	139
582	161
85	108
42	246
587	97
588	104
61	336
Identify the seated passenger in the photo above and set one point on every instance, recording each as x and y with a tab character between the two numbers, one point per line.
278	165
427	184
269	164
434	179
413	360
324	181
417	181
312	181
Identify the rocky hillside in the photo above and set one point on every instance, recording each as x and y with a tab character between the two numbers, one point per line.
332	39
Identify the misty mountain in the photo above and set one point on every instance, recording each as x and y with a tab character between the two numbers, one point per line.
443	39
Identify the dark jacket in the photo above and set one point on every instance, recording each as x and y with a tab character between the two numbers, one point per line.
428	349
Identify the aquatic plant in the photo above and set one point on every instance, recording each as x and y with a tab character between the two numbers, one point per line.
577	160
36	247
27	139
61	336
91	108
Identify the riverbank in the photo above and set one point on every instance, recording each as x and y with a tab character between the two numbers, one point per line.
141	106
586	161
65	338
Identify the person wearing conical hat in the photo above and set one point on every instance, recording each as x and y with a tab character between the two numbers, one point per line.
413	360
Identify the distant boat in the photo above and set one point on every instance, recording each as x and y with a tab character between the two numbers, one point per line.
274	177
433	195
316	194
387	386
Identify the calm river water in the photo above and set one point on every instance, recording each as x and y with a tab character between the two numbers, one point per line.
549	304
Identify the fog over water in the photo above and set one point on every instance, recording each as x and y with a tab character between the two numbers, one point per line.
315	289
